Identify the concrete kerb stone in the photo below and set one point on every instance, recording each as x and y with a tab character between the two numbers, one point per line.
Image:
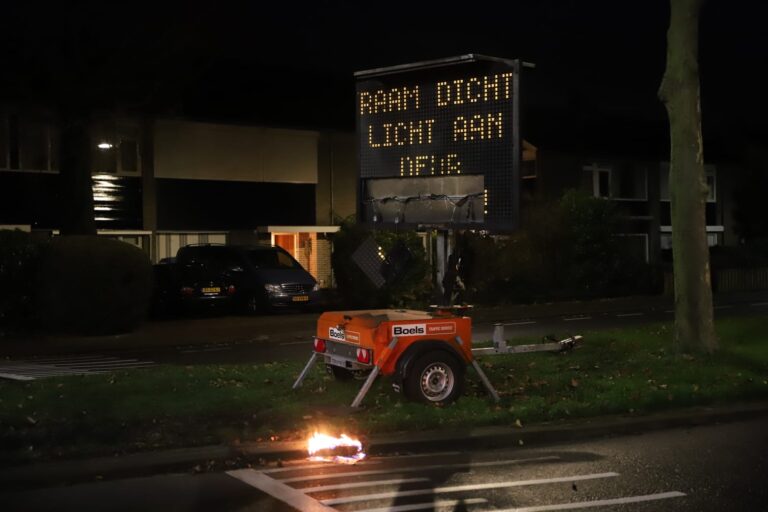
220	457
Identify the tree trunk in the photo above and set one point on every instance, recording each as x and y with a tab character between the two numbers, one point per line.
75	171
679	90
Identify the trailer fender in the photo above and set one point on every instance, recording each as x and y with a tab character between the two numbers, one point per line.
416	350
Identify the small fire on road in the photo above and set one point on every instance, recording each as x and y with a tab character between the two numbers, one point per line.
342	449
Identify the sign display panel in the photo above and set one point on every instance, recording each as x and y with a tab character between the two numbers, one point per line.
438	143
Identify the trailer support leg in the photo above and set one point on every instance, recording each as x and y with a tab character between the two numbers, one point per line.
366	386
374	373
305	371
486	382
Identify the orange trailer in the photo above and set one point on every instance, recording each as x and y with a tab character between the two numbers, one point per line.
426	353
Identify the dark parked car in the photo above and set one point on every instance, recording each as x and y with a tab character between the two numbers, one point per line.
250	278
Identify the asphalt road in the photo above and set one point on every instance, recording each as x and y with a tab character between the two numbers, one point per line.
232	339
707	468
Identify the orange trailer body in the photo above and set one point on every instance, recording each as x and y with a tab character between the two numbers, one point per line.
343	332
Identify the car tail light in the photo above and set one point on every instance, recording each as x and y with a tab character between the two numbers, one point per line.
231	290
187	291
319	345
363	356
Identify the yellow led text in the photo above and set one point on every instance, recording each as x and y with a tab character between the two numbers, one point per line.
478	127
430	165
411	133
392	100
474	89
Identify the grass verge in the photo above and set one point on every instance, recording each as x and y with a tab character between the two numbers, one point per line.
631	371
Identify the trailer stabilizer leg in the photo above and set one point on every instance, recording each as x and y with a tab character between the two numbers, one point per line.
486	382
366	386
305	371
374	373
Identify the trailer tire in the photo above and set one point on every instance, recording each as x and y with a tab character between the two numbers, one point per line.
435	378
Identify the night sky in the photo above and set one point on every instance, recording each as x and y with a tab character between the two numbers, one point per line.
599	63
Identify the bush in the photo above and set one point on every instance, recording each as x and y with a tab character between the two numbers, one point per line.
411	288
92	285
566	249
19	255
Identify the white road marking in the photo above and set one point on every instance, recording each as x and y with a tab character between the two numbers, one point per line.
60	366
13	376
597	503
420	468
575	318
418	455
365	463
357	485
210	349
428	505
67	359
312	466
463	488
520	323
93	364
278	490
759	304
625	315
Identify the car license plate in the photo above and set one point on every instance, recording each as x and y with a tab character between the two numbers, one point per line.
211	290
300	298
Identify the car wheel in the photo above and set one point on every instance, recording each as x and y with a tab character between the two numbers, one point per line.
435	378
253	305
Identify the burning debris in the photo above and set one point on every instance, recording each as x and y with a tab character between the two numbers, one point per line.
342	450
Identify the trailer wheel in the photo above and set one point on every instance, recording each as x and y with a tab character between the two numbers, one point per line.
435	378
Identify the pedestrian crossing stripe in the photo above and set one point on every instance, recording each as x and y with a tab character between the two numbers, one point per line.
61	366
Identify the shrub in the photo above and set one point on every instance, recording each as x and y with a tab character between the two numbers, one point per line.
92	285
410	288
19	255
566	249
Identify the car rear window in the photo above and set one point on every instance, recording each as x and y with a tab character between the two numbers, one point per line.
211	258
266	258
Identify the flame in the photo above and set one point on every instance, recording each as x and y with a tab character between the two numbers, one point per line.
327	444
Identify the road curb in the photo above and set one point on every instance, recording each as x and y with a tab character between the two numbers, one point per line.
546	433
218	457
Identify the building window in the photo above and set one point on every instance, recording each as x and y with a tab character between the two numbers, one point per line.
618	182
713	237
28	143
115	148
600	180
710	172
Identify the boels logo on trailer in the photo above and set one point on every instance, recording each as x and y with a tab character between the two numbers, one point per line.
336	334
423	329
339	334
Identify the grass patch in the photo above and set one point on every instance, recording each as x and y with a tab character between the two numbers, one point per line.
621	371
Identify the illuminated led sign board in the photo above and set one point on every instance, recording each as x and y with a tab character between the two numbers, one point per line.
439	143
